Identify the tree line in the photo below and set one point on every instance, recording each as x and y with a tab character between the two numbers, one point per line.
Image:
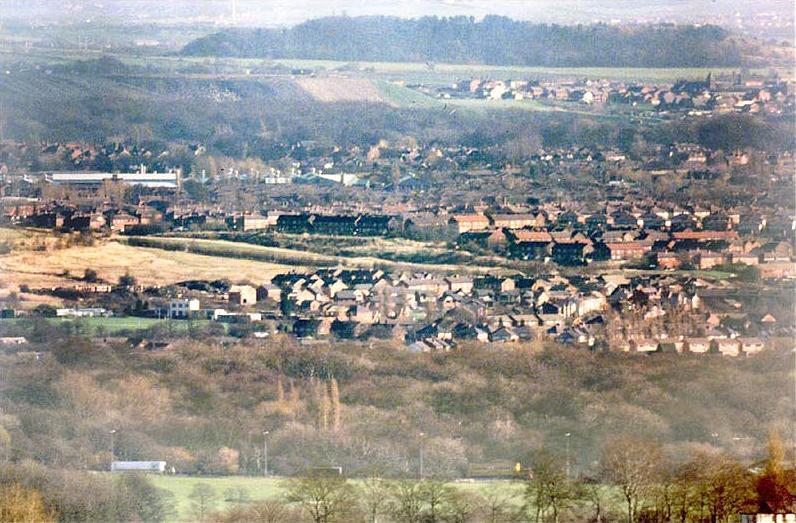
635	482
495	40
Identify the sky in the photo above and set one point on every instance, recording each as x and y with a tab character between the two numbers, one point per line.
271	13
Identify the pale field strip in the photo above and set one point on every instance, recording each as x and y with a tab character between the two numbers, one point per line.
112	259
237	250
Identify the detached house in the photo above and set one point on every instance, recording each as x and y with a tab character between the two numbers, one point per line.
269	292
628	250
697	345
462	223
668	260
746	258
460	284
120	221
515	221
751	345
242	295
726	347
708	260
183	308
646	345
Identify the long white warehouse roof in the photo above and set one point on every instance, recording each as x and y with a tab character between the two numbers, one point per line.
153	179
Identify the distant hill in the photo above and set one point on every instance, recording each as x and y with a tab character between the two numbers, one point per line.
494	40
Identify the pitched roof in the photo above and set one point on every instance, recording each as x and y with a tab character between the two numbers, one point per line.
628	246
705	235
471	218
532	236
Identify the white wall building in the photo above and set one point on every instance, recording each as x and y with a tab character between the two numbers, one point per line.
183	307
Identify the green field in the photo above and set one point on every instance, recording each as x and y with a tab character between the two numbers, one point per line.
258	488
419	72
180	486
112	326
446	71
404	97
284	256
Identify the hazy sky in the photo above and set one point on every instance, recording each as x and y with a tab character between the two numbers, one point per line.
289	12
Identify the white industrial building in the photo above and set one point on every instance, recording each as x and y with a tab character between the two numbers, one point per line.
154	180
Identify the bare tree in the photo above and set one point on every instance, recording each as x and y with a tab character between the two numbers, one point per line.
406	501
594	495
721	486
461	506
498	506
203	500
335	400
434	494
326	498
260	512
374	497
548	487
632	465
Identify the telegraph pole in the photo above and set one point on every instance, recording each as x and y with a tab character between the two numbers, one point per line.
112	432
421	454
265	452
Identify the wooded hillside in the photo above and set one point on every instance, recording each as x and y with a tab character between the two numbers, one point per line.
494	40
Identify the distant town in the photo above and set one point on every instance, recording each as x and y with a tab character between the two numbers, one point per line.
397	262
730	93
633	264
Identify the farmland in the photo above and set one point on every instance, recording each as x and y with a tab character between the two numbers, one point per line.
56	266
284	256
402	96
447	73
41	261
267	82
341	89
387	253
411	72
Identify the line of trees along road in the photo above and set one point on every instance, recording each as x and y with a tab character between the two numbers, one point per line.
635	482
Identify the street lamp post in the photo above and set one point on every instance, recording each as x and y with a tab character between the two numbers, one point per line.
112	432
265	452
421	454
568	435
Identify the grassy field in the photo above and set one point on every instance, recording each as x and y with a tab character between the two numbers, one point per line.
409	71
335	89
112	259
229	249
114	326
445	71
375	253
180	486
259	488
401	96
